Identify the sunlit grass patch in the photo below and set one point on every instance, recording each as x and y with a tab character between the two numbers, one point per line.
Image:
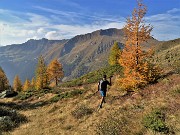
176	89
81	111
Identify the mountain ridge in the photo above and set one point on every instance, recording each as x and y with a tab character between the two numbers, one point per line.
79	55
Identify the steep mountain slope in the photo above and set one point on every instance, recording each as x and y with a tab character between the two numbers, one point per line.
79	55
21	59
85	53
88	52
168	53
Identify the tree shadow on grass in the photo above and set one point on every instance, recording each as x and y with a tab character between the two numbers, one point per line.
10	119
24	105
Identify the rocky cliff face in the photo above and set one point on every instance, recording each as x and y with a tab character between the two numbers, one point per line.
79	55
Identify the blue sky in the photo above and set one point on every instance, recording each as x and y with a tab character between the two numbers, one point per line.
21	20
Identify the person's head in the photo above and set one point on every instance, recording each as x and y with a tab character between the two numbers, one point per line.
104	77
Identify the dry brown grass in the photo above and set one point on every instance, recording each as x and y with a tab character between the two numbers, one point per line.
57	118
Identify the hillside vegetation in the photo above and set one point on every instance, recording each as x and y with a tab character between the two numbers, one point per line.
72	107
143	98
155	108
79	55
93	76
168	55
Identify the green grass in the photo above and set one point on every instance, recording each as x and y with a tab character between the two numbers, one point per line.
94	76
168	55
23	95
155	121
68	94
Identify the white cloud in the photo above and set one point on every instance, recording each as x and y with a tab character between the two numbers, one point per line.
68	31
166	25
52	35
14	29
40	31
71	15
31	32
174	10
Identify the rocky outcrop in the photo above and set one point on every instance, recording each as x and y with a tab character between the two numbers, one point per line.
8	93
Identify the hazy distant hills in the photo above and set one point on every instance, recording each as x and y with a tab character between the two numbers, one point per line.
79	55
21	59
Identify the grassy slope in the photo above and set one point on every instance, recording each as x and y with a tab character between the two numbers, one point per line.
94	76
168	53
120	115
128	111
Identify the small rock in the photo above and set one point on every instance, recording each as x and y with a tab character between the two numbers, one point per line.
5	119
8	93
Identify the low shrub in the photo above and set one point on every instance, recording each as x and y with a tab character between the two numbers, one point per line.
165	81
56	98
10	119
73	93
81	111
24	95
94	76
45	90
68	94
111	126
156	121
176	66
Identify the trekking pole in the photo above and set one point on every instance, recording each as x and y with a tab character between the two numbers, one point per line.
95	93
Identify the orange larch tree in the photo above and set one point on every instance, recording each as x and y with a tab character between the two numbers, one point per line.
33	83
27	85
4	83
17	85
55	71
138	71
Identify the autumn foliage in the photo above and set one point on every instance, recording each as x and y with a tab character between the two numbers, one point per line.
46	75
33	83
55	71
138	70
4	83
17	85
27	85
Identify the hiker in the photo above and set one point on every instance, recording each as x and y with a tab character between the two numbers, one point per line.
102	88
